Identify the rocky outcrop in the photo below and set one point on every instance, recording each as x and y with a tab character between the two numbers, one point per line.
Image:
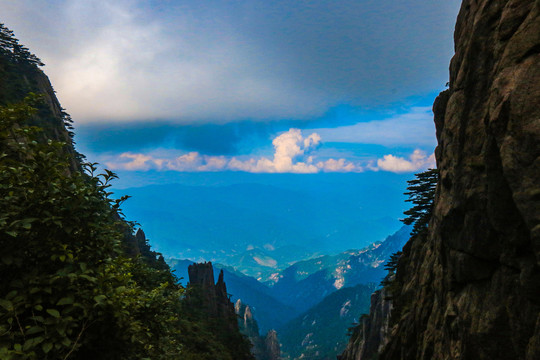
470	288
263	348
371	334
271	344
213	297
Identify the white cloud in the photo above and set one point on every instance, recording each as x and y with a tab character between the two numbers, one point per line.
293	153
341	165
417	160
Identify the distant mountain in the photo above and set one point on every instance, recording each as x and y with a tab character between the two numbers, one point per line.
286	221
305	283
321	332
265	264
269	311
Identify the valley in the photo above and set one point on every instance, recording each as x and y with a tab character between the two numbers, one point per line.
313	302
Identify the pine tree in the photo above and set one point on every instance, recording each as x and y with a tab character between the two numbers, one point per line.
421	193
10	47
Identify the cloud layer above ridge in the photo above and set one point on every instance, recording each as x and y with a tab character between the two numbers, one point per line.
222	61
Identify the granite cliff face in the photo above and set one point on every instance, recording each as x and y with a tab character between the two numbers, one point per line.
211	301
470	288
263	348
213	297
371	335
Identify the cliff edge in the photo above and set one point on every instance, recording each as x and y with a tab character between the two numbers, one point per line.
470	287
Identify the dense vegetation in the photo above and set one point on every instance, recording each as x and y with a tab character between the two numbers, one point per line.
76	284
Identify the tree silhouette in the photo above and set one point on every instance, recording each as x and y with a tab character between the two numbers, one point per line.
421	193
10	47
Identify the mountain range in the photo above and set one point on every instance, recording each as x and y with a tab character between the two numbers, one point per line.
305	283
283	219
321	332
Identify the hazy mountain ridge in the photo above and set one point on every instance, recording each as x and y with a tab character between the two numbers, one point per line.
199	222
305	283
321	332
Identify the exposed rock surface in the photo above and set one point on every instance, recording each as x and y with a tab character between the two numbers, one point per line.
371	335
271	343
471	286
264	348
214	297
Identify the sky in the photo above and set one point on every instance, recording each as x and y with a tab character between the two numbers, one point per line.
246	86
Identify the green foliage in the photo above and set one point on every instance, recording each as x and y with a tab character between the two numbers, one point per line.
391	267
10	47
69	291
421	193
391	264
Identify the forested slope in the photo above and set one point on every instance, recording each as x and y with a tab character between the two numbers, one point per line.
76	283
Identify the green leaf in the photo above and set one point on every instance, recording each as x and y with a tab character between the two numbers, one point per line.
47	347
100	298
34	330
53	313
6	304
65	301
28	344
8	259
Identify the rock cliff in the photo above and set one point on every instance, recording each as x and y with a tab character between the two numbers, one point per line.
211	301
271	343
470	288
213	297
263	348
371	335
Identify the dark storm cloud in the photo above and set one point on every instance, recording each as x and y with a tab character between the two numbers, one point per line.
226	61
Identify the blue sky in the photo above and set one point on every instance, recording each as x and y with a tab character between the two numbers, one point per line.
253	86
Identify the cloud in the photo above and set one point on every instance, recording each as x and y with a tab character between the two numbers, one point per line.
291	155
340	165
417	160
222	61
414	127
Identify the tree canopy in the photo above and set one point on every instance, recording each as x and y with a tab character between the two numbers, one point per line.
12	49
422	194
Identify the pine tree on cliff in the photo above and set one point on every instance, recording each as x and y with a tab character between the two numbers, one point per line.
10	46
421	193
